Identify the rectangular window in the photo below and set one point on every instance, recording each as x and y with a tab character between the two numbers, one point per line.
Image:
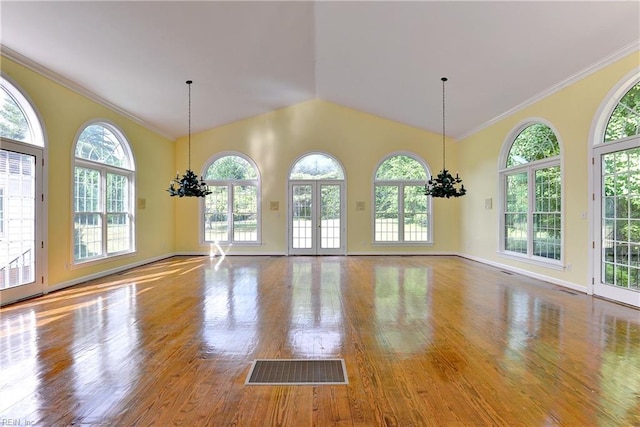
387	212
547	213
415	214
245	213
118	227
87	219
216	215
516	212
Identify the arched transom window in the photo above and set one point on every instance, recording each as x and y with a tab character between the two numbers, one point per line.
230	212
532	209
18	120
402	211
625	118
103	189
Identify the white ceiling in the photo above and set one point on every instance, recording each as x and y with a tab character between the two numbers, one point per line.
384	58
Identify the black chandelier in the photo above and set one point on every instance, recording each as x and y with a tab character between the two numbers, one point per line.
444	185
189	185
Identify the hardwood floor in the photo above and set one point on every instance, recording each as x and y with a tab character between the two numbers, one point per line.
426	341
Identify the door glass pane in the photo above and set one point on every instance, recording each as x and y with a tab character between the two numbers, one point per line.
17	232
620	219
415	214
330	216
216	212
302	232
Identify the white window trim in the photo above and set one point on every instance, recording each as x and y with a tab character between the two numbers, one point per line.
530	167
430	237
103	169
257	182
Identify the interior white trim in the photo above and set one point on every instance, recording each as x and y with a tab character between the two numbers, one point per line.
57	78
596	66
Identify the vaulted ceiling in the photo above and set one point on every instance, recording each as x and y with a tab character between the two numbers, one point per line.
384	58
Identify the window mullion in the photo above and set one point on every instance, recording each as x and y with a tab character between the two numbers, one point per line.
103	208
531	202
401	212
230	210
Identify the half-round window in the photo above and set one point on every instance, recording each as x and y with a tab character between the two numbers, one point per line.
101	143
535	142
231	167
625	118
18	120
316	166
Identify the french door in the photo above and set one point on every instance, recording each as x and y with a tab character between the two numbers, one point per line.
316	218
617	236
21	243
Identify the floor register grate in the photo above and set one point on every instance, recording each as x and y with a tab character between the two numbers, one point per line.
297	372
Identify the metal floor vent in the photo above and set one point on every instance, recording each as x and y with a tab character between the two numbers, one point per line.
297	372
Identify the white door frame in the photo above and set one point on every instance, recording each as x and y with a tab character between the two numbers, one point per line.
36	287
600	288
316	225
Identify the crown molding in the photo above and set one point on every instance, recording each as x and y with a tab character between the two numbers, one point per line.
596	66
63	81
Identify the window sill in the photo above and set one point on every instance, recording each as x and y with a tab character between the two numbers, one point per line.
402	244
539	261
75	265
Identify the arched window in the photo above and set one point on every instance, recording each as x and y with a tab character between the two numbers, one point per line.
402	211
624	121
231	213
617	187
532	193
22	191
18	120
103	191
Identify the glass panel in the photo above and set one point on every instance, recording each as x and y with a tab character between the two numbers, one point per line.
387	212
216	214
17	246
118	230
625	118
620	222
302	231
535	142
415	214
245	213
402	168
99	144
516	210
547	213
316	166
330	216
88	221
87	235
230	167
13	121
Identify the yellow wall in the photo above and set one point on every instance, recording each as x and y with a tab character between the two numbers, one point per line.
358	140
571	112
277	139
63	113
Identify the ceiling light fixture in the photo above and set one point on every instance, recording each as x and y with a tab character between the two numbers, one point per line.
189	185
444	185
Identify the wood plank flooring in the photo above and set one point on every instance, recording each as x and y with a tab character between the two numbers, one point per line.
427	341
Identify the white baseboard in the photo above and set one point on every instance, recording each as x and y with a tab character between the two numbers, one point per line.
103	273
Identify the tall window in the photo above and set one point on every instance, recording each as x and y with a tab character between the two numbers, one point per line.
402	211
231	212
619	154
532	181
102	194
